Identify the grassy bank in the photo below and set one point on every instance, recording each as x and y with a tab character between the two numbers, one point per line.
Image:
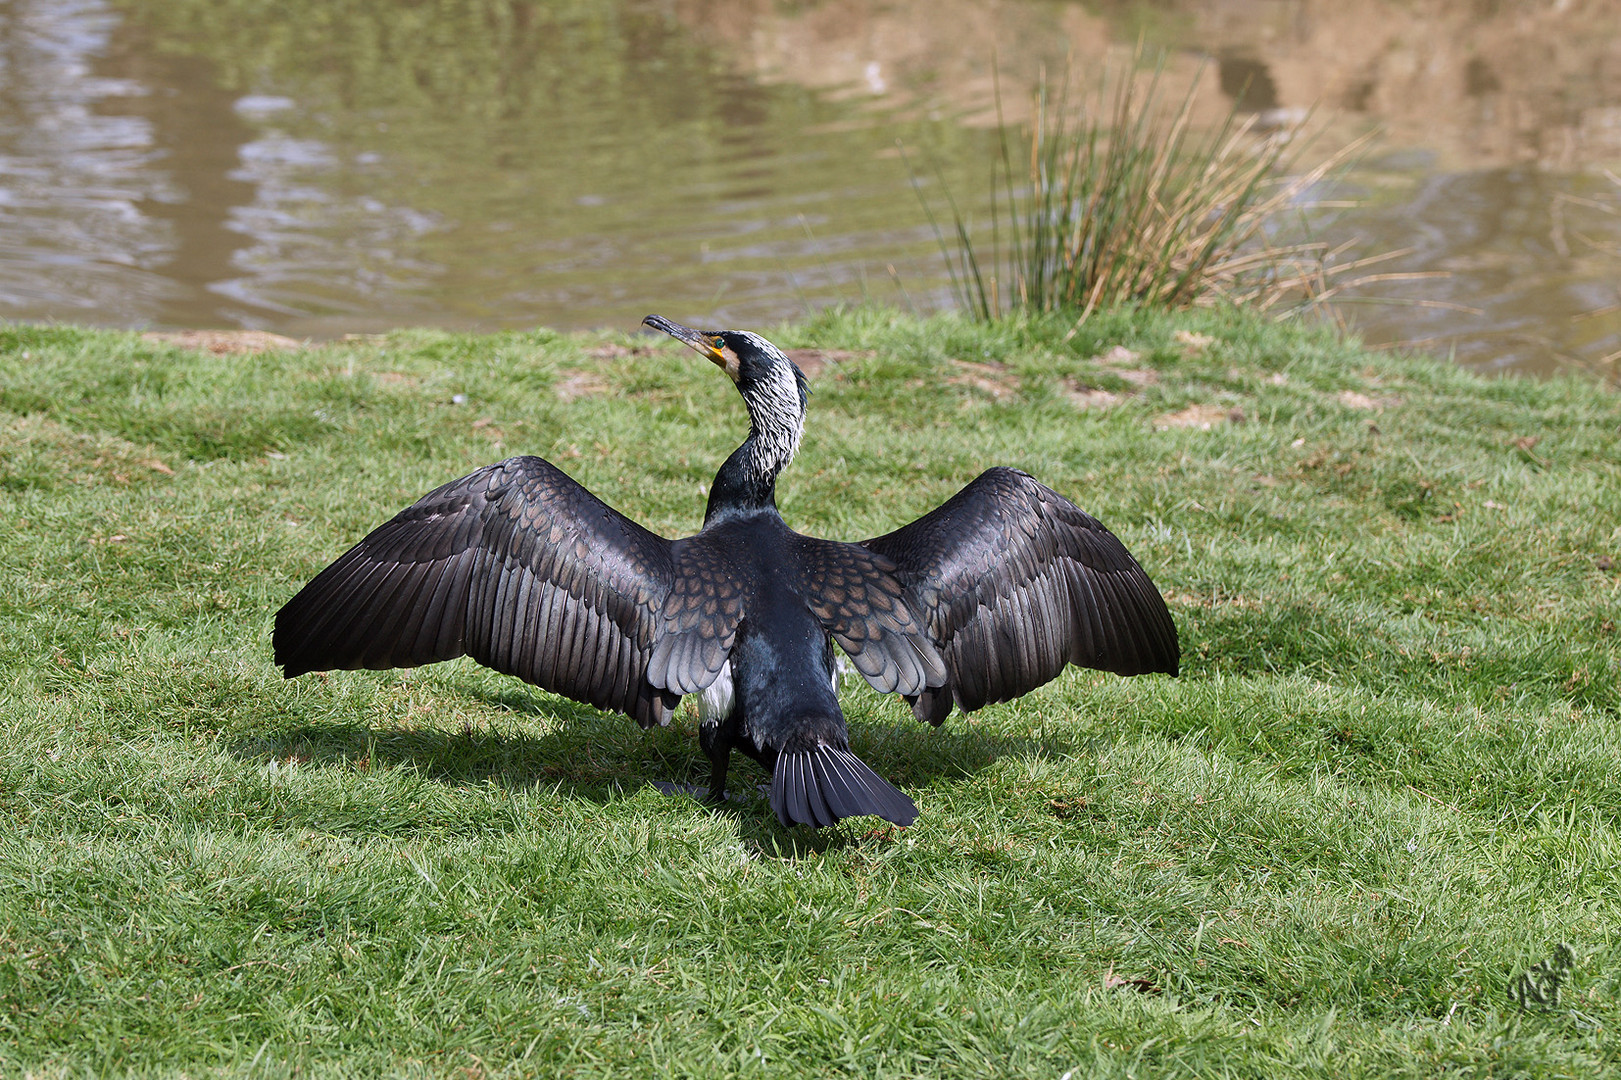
1388	780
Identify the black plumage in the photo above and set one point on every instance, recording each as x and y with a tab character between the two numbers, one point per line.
1015	581
516	565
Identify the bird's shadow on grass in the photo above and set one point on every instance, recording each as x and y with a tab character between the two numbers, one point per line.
600	757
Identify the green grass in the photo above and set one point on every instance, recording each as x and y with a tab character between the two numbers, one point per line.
1388	780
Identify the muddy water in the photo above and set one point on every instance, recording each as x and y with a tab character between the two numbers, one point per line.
320	167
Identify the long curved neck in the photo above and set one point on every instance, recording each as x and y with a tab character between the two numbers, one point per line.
740	487
748	480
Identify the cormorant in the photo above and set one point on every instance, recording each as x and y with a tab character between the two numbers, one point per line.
516	565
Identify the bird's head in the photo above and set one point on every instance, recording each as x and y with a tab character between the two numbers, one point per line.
747	358
772	385
773	388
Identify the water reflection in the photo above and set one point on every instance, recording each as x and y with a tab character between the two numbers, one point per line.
327	166
74	174
325	169
1525	287
196	142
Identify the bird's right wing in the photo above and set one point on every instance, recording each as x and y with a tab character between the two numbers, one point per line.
515	565
1016	581
859	600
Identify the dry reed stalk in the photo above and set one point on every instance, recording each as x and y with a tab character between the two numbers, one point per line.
1142	210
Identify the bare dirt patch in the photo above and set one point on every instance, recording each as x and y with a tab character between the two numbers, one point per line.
993	380
1117	356
612	350
224	342
1123	363
1202	417
579	384
813	362
1353	399
1138	377
1090	397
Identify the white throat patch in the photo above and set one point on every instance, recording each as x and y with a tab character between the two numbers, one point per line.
776	412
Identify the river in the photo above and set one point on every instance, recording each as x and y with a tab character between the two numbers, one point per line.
323	167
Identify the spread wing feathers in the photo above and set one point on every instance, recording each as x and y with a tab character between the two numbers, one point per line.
698	619
819	787
855	595
1015	581
515	565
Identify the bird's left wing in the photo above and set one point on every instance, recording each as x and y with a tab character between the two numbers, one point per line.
1015	581
516	565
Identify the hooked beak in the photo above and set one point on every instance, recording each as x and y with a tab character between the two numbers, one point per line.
698	340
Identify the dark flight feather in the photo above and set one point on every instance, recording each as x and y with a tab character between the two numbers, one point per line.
992	569
824	785
515	565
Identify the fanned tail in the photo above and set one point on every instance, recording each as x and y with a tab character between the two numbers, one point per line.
819	787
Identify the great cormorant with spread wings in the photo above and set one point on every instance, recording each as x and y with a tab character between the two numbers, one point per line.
981	600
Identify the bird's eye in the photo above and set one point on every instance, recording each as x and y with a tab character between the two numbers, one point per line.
718	342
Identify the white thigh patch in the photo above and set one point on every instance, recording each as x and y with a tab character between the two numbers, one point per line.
715	704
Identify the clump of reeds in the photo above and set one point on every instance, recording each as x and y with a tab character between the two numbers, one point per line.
1130	205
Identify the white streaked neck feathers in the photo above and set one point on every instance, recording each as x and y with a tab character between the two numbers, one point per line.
776	407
